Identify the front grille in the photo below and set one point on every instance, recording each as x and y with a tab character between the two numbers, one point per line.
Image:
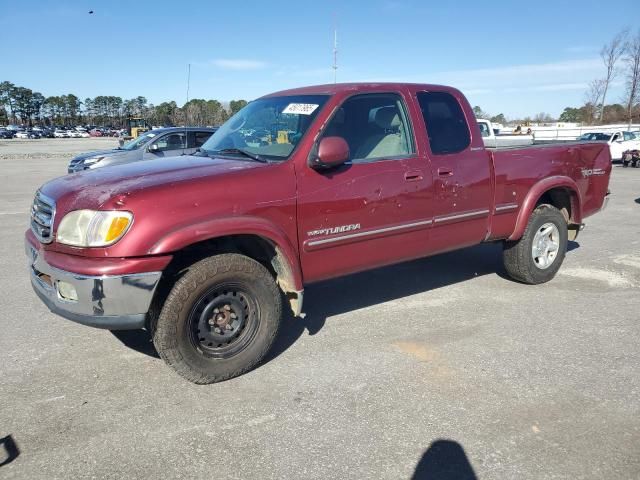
42	213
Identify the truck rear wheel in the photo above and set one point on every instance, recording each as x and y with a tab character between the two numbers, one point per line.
219	320
537	256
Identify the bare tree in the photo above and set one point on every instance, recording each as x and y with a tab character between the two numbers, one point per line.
610	55
592	98
632	70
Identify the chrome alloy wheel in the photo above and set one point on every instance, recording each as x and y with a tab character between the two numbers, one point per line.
545	245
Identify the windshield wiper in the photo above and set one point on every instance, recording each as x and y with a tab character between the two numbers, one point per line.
250	155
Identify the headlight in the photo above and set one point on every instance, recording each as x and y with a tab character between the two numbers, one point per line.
91	228
92	160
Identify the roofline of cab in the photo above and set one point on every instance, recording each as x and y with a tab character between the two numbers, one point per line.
334	88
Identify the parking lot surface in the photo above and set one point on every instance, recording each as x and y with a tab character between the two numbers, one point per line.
433	366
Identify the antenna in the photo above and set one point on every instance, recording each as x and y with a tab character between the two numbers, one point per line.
335	50
186	106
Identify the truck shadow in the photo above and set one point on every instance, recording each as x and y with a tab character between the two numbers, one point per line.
366	289
138	340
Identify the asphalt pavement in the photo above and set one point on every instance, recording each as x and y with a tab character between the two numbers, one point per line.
436	367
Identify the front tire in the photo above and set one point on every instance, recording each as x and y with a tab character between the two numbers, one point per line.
219	320
538	255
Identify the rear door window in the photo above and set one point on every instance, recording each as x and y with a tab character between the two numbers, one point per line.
172	141
446	124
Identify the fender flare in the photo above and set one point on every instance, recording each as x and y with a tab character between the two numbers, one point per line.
536	192
221	227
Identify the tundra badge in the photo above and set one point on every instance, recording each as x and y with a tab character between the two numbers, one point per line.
332	230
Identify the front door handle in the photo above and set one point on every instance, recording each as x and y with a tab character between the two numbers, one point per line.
445	171
413	176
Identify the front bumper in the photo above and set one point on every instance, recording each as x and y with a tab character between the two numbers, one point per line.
114	302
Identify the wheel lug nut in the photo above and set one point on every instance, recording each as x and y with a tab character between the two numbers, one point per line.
211	322
227	327
217	330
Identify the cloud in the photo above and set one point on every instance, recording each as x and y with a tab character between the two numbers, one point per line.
510	73
559	87
483	80
238	64
325	73
579	49
477	91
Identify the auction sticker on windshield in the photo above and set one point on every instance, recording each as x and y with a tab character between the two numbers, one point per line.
301	108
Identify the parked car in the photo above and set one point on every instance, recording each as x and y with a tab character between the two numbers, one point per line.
26	134
165	142
202	249
6	134
492	140
618	142
59	133
44	132
594	137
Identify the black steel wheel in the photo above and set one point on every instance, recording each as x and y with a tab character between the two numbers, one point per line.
219	320
223	321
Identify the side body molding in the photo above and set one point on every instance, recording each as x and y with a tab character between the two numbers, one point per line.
537	191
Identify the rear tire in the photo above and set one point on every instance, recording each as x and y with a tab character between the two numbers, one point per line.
219	320
538	255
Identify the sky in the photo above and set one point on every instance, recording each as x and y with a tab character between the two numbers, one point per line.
513	57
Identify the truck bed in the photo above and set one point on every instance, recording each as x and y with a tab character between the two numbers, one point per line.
521	171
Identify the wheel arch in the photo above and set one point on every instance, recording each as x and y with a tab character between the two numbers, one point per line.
560	192
254	237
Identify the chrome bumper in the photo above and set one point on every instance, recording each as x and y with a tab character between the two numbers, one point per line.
114	302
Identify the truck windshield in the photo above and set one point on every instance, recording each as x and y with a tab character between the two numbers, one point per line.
268	128
138	142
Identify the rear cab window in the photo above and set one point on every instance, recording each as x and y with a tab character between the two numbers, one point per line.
484	129
446	125
197	138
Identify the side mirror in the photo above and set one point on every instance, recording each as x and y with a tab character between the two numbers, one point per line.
331	152
154	148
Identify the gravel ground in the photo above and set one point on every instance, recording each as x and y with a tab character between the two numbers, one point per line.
431	367
21	148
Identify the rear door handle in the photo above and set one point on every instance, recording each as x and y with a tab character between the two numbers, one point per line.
445	171
413	176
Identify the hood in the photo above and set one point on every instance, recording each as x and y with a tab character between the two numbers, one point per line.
93	188
97	153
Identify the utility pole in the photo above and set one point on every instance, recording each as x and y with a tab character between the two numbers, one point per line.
335	52
186	105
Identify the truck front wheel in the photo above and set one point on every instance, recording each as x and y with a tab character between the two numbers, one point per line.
537	256
219	320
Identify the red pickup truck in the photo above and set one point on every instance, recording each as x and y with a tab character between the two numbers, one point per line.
299	186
